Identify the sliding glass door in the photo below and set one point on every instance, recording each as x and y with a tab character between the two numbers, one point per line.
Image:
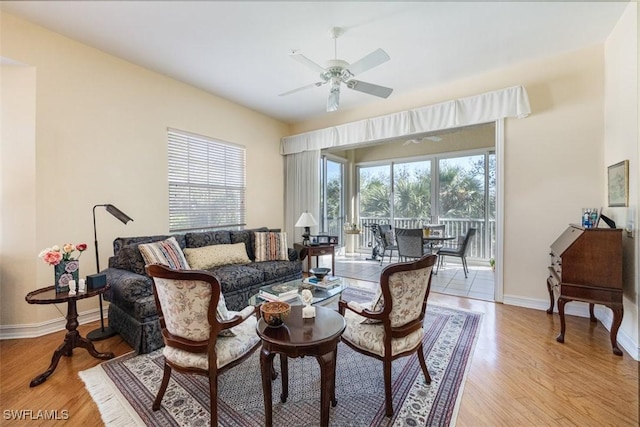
458	191
332	198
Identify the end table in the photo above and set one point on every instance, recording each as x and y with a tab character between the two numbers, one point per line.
73	338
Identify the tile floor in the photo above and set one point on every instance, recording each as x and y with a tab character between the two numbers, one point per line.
449	280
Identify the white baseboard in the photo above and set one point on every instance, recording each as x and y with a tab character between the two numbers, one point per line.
38	329
580	309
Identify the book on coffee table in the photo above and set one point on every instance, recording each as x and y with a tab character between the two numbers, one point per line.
326	282
279	292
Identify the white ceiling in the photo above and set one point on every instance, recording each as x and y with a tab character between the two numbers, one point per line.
239	50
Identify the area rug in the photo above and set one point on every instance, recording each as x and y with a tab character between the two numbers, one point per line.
124	388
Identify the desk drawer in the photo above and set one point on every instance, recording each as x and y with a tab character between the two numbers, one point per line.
590	294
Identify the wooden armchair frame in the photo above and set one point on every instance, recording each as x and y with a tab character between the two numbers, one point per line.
390	332
207	346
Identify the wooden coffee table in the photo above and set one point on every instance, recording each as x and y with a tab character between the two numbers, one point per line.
73	338
298	337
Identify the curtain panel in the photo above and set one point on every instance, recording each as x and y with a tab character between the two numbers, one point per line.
483	108
302	191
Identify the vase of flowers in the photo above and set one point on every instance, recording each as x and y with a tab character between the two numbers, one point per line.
351	228
65	263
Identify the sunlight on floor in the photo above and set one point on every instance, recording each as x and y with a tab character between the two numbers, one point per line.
450	279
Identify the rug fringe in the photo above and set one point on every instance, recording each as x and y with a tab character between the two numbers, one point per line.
104	393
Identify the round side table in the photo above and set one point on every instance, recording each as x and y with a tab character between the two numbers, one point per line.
298	337
73	338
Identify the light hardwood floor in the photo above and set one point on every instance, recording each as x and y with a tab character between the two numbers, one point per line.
519	374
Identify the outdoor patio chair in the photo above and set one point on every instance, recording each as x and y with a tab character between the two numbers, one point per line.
392	326
459	249
410	244
198	338
388	241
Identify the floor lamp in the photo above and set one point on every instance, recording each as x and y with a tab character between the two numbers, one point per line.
102	332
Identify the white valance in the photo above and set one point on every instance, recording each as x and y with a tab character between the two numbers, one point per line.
483	108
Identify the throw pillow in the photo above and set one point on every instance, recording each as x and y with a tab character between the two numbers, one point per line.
166	252
208	257
271	246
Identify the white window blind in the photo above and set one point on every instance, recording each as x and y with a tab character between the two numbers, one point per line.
206	183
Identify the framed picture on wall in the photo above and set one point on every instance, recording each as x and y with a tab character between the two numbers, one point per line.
618	184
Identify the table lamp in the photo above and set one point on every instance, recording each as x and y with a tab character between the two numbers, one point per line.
102	332
306	220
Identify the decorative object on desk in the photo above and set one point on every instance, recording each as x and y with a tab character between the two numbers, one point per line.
104	332
320	239
96	281
274	313
306	220
320	272
618	184
590	217
82	285
65	263
308	312
611	223
333	240
72	287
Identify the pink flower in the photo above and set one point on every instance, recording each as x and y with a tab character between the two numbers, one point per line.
52	258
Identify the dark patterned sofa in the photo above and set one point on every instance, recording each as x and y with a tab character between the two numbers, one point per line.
132	309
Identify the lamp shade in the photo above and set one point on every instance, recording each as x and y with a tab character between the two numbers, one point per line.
306	220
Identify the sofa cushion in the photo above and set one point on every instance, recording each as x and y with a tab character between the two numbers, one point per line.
248	238
277	269
271	246
216	255
237	276
121	242
208	238
129	258
166	252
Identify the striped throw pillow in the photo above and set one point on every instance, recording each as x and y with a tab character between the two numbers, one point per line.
166	252
271	247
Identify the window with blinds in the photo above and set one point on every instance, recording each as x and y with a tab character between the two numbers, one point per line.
206	183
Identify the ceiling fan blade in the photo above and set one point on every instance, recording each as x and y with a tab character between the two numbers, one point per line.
333	101
307	62
316	84
370	88
373	59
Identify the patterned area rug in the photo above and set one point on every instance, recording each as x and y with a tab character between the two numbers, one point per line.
124	388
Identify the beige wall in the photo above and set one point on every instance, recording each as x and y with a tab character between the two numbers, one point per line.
100	137
553	158
621	143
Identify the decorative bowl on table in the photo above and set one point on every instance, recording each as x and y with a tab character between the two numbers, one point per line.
274	313
320	272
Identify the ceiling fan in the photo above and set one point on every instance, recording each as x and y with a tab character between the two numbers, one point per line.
338	71
423	139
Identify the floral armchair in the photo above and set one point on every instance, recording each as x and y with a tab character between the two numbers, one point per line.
392	326
200	335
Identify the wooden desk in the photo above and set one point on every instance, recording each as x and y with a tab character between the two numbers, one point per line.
316	251
586	266
298	337
73	338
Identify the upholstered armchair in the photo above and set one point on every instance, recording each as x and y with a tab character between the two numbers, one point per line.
200	336
392	325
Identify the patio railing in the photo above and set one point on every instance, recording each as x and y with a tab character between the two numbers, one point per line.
482	245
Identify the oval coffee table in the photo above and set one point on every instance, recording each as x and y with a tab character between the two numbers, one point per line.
298	337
